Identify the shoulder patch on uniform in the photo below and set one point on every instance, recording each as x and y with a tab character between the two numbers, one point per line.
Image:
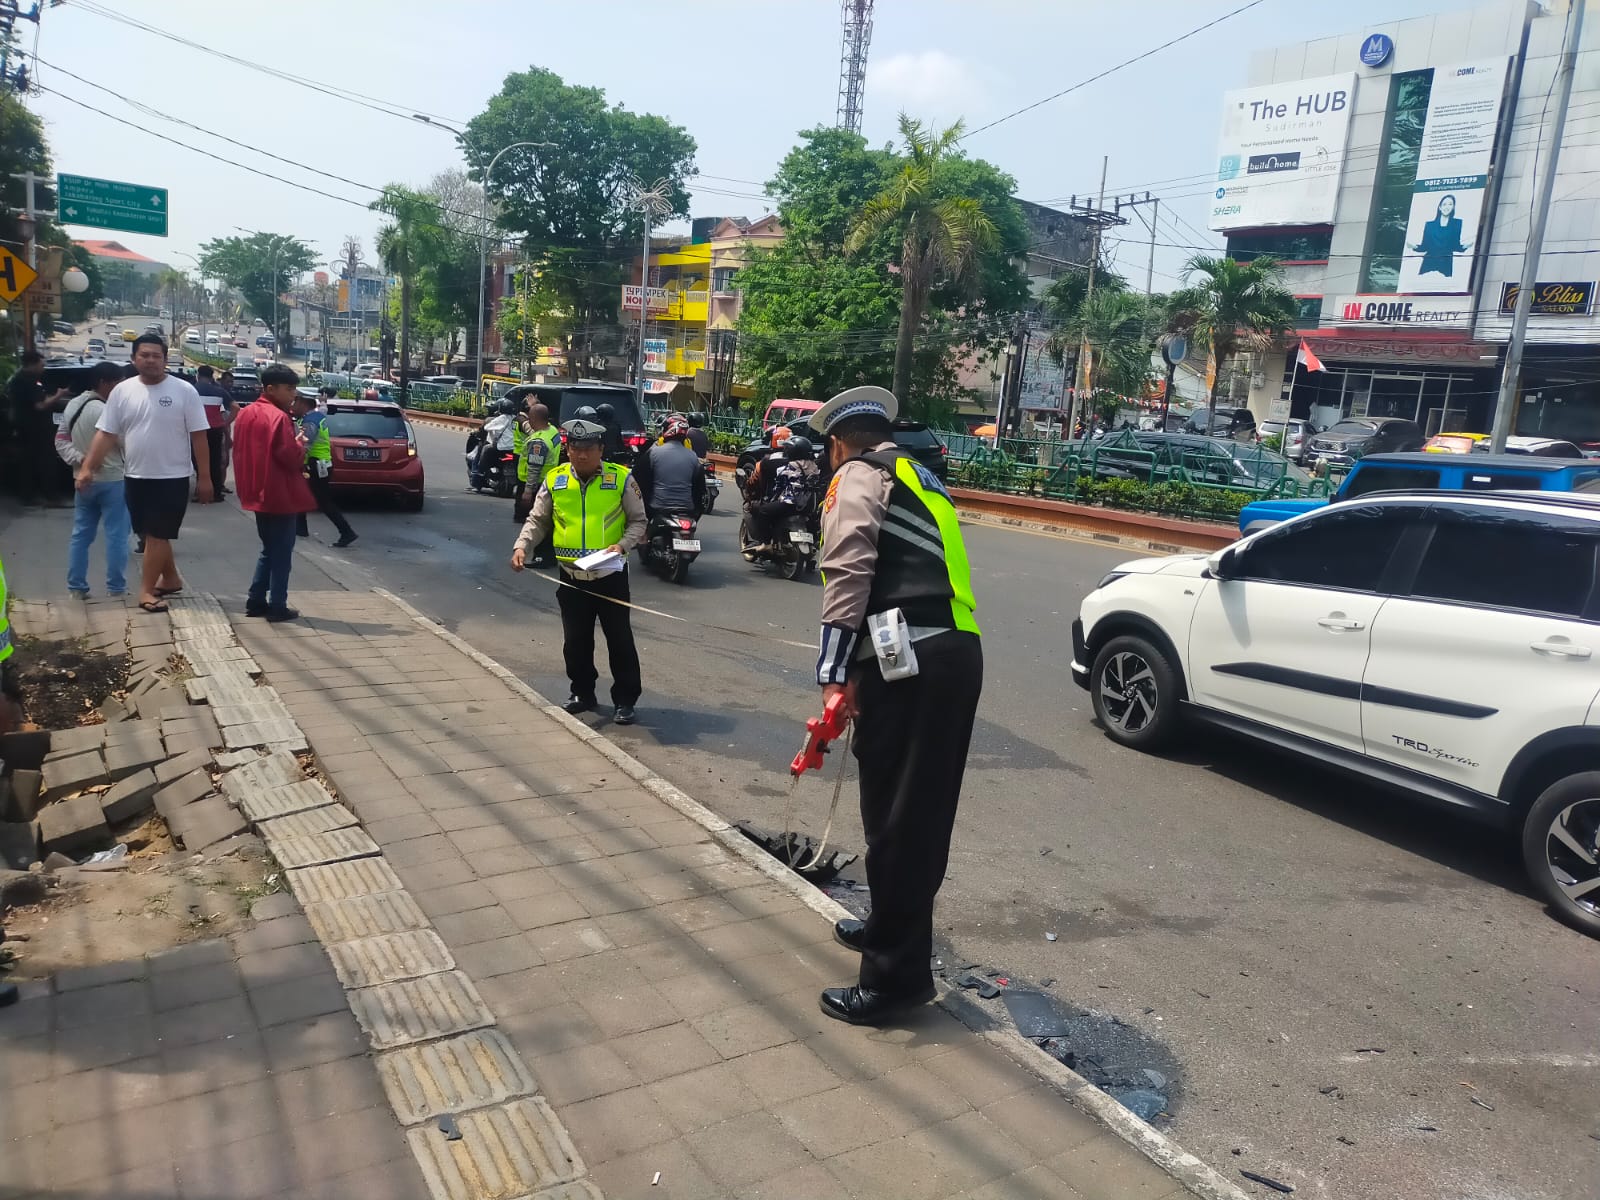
608	480
928	479
832	496
558	480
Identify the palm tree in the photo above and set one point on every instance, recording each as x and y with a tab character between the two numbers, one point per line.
1114	323
398	248
940	237
172	283
1229	306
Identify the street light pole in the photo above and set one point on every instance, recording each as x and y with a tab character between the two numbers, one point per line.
483	245
649	201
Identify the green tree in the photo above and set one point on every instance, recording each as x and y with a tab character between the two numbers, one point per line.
414	219
1228	306
569	201
942	235
260	267
531	318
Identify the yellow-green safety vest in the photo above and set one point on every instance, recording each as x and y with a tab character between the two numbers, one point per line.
548	436
320	447
5	621
587	516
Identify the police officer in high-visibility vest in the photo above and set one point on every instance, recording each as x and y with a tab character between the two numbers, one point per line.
588	505
313	423
537	456
900	642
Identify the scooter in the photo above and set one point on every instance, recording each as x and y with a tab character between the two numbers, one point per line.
793	549
713	489
494	469
670	545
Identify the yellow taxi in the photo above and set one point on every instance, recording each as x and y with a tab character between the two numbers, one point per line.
1455	443
128	335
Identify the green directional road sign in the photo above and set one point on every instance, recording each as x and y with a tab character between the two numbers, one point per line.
109	204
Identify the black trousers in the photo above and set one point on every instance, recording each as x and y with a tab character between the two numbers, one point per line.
911	744
219	469
322	492
582	603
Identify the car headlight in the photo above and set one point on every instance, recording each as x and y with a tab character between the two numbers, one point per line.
1109	579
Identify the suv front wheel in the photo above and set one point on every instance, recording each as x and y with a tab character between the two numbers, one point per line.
1561	849
1135	692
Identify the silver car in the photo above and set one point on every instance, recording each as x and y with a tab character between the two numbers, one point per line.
1294	432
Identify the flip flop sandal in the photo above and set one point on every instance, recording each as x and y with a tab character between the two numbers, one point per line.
169	591
155	606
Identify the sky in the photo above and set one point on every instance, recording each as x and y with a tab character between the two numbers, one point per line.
742	78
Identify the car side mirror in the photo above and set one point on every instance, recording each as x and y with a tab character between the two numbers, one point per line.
1223	564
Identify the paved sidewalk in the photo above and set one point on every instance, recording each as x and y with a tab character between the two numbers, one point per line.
594	992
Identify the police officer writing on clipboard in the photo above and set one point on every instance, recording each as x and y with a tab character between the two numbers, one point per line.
588	506
899	640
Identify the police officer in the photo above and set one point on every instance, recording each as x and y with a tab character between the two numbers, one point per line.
319	470
587	505
893	558
536	455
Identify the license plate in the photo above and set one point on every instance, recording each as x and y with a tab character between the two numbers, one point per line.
686	544
802	539
362	455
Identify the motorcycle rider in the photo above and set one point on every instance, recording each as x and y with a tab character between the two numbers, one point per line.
611	446
755	484
669	475
789	482
497	437
699	440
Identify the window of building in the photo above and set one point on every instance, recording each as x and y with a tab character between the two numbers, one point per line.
1538	564
1397	172
723	278
1307	312
1286	245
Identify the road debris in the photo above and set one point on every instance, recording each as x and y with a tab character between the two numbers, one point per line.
1266	1181
1142	1102
448	1127
1034	1014
1049	937
1481	1103
985	989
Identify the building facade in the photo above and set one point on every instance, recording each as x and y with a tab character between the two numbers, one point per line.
1390	171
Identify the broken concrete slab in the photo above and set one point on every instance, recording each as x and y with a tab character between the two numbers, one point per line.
264	804
56	861
112	710
206	822
250	711
196	720
22	801
74	826
130	797
19	844
129	732
181	793
175	768
282	733
63	776
128	758
77	739
262	773
229	759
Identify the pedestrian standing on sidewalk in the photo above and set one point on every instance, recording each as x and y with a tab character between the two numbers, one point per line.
587	505
104	504
319	469
29	406
893	560
269	471
220	410
162	425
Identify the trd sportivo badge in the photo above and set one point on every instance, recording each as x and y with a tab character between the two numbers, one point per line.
1431	751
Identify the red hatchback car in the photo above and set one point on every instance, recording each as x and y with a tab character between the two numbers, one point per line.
374	449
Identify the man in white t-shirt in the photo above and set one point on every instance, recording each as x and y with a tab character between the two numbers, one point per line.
162	425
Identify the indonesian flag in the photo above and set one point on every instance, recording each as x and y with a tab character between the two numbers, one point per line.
1307	359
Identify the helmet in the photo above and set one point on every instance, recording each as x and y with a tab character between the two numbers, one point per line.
508	406
697	420
674	427
605	412
780	435
371	394
797	448
586	413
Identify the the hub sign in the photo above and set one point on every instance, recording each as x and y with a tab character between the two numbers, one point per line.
1281	153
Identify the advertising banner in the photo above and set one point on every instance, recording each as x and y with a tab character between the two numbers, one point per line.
1411	312
1281	153
630	298
655	354
1573	298
1044	381
1452	177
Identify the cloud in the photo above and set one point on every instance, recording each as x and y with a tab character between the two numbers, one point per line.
922	82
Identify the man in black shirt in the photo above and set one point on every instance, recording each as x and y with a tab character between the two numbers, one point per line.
29	406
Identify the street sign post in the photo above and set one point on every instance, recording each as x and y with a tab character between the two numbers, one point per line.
109	204
15	275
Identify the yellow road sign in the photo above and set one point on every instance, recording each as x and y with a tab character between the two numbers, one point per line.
15	275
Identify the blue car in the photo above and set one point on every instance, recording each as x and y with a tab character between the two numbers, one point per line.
1441	472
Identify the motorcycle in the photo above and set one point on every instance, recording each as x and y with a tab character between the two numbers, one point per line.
494	469
671	545
713	489
793	549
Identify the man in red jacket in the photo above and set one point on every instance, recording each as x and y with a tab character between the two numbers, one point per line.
268	460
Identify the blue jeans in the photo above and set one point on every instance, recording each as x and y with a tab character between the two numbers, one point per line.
102	505
270	587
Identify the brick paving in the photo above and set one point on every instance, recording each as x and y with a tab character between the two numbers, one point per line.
546	982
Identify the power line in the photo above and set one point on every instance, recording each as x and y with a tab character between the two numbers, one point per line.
1113	70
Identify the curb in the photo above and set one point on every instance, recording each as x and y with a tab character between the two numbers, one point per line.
1190	1171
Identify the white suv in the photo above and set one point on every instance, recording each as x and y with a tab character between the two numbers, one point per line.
1444	643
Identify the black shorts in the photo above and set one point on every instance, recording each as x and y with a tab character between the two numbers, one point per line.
156	506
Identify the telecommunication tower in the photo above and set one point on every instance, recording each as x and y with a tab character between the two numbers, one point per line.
856	18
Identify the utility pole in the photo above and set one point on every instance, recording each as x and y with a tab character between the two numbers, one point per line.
1505	410
650	201
1102	220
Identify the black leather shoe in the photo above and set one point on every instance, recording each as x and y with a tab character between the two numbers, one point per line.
848	933
347	540
868	1006
625	715
577	704
283	614
255	610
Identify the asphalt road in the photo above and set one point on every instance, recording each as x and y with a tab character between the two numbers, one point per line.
1328	976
